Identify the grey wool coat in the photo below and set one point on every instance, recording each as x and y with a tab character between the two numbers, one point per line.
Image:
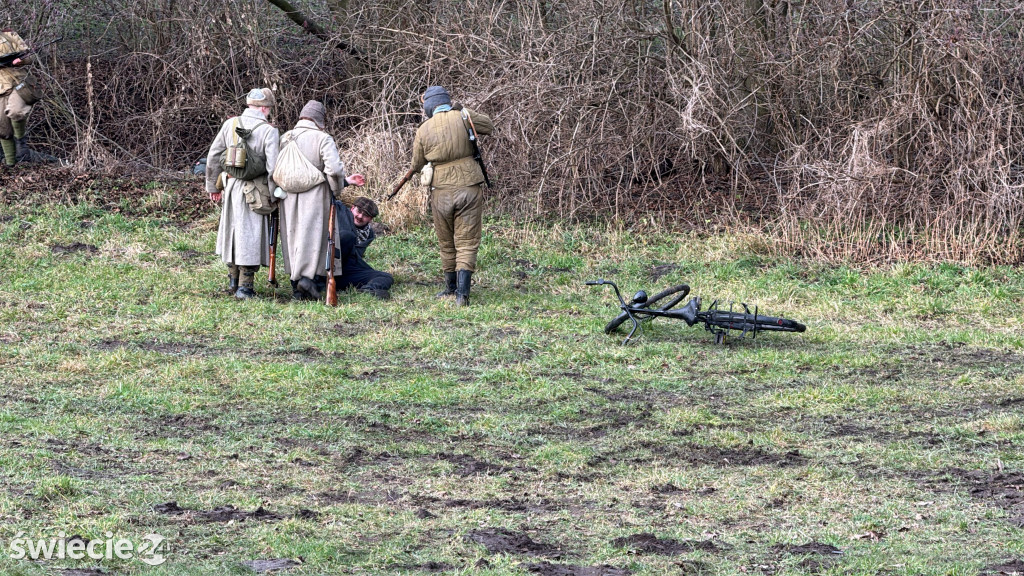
243	235
304	215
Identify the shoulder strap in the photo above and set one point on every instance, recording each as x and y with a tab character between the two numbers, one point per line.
238	123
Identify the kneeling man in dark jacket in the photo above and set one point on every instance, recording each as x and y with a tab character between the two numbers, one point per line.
354	235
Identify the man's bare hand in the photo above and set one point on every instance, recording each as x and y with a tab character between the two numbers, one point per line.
17	62
215	198
356	179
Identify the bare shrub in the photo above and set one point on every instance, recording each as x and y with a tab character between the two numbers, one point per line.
873	130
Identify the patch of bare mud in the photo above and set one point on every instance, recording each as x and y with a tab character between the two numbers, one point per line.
549	569
1003	490
428	567
502	541
466	465
722	457
74	248
219	514
1009	568
645	543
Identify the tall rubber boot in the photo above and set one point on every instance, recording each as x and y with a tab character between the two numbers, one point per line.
450	278
246	282
462	288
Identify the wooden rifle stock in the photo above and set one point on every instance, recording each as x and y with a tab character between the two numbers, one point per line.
398	187
332	284
275	222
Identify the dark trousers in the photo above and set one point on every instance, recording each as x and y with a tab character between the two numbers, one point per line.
359	275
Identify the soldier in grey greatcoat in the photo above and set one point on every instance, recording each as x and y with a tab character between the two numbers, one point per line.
242	235
304	215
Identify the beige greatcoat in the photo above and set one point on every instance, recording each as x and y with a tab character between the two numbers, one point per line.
242	237
304	215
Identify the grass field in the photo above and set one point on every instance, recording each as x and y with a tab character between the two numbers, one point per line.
510	437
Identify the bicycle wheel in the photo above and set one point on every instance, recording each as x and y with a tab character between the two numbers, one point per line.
751	322
684	288
618	320
615	323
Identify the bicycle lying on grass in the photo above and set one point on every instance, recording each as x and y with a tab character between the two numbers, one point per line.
715	320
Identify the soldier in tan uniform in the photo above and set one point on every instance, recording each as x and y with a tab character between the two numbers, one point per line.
16	99
456	197
242	234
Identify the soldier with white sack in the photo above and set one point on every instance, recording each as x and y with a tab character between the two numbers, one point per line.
311	172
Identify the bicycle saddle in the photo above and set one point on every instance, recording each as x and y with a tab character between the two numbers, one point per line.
689	312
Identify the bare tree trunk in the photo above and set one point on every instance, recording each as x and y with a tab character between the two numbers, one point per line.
301	19
338	7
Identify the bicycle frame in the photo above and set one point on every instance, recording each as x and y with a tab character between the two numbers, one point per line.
637	312
718	322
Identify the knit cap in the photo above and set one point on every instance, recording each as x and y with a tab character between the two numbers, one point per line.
435	96
314	111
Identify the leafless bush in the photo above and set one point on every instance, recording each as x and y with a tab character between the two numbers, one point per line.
863	129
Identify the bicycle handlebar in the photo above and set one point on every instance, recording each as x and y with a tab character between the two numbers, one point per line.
602	282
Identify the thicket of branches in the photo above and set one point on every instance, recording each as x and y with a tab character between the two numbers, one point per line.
865	129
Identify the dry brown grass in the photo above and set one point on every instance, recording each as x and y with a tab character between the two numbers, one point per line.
878	130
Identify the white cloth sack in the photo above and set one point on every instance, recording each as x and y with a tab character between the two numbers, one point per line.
294	172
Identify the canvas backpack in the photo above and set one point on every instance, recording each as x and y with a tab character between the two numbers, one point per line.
294	173
241	160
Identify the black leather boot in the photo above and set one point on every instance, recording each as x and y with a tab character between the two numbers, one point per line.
309	287
23	154
246	282
462	288
450	279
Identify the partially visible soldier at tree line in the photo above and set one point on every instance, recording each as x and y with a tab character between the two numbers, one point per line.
242	237
456	198
17	95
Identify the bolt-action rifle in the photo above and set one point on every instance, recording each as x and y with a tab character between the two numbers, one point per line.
275	223
332	284
7	60
398	187
476	146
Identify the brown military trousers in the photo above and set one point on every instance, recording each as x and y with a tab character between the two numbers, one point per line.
458	213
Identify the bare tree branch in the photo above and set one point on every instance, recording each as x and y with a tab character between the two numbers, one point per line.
309	25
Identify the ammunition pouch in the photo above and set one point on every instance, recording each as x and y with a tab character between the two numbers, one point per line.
257	196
